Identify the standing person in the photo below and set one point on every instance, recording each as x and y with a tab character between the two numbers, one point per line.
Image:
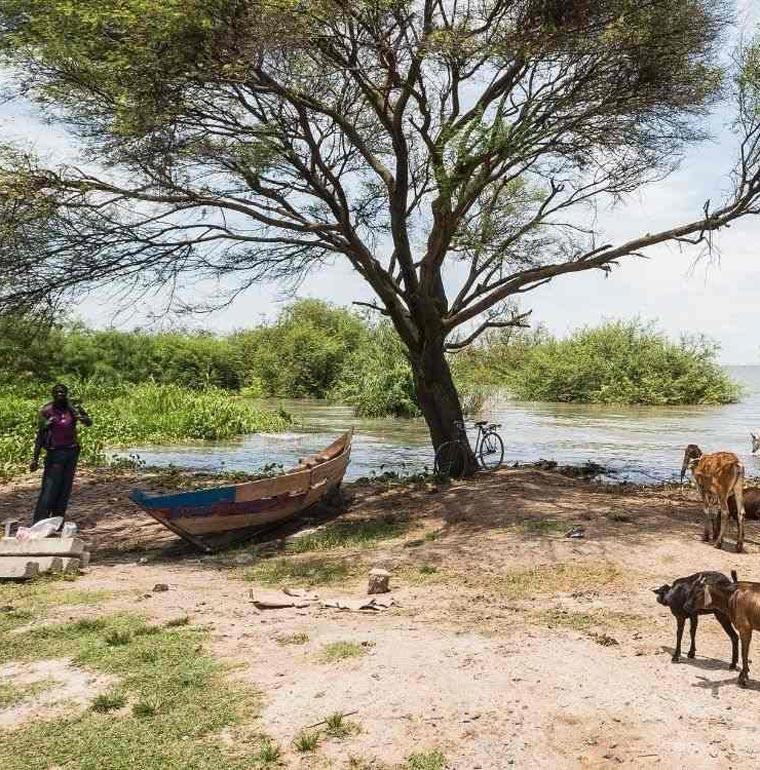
57	434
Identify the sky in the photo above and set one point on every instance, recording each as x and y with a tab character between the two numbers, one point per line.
719	298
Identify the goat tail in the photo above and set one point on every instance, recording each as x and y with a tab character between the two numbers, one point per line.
733	576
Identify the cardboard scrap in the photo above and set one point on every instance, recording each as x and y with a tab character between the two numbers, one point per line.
288	597
357	605
277	600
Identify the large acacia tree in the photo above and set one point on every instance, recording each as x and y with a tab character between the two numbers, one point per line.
452	151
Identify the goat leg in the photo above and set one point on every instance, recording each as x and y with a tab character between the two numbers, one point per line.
739	500
680	622
693	621
746	637
723	521
708	533
733	636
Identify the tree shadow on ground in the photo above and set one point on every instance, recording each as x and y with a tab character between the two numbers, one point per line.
116	531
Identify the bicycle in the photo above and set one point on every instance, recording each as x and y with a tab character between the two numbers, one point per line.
451	457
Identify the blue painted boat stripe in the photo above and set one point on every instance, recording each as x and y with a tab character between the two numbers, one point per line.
201	497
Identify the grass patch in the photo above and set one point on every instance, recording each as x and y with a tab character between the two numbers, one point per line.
118	637
544	527
428	569
146	708
167	668
109	701
269	753
179	622
11	694
22	603
349	534
306	741
584	621
337	651
337	726
297	638
312	571
621	517
426	760
562	577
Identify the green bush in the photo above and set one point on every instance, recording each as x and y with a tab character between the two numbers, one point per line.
303	353
377	378
617	363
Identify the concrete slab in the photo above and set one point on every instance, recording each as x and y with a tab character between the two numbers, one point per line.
14	568
48	546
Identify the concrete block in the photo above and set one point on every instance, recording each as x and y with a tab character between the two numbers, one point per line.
14	568
48	546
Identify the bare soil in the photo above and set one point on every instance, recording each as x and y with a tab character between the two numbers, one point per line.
511	645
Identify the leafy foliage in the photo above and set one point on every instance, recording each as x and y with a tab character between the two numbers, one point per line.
133	415
304	353
251	140
377	378
617	363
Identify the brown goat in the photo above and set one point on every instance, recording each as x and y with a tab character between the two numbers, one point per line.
718	476
751	504
740	601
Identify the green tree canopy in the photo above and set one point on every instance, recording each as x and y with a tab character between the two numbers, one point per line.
416	140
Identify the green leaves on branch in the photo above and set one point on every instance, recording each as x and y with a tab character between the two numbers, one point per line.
617	363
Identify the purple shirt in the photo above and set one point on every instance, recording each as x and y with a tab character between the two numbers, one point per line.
61	426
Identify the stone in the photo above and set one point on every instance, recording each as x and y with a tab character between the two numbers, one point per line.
13	568
378	581
160	588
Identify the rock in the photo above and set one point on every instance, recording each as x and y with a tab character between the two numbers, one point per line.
18	568
378	581
160	588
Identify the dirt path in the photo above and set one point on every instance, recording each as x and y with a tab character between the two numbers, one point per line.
511	645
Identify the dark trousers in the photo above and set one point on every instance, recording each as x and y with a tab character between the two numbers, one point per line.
57	479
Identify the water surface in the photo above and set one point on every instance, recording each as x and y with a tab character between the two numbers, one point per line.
641	444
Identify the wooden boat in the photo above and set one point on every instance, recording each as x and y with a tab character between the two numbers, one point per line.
253	505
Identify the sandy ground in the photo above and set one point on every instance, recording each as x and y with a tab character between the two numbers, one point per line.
511	645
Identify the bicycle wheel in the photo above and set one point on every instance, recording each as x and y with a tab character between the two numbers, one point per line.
450	460
491	451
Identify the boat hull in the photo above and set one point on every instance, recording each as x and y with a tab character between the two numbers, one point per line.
252	505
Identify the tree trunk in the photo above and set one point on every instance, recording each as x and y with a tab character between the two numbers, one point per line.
438	399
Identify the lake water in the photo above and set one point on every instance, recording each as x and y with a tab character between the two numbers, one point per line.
640	444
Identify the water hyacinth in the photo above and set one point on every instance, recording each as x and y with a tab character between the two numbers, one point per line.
129	415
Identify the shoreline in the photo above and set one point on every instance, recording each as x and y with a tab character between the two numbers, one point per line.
508	643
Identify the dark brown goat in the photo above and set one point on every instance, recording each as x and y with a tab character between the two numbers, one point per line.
677	595
740	601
